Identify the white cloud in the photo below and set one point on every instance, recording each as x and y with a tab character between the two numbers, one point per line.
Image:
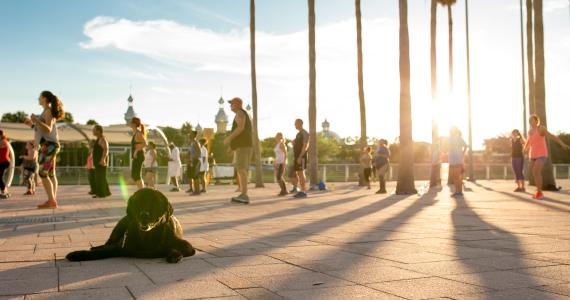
555	5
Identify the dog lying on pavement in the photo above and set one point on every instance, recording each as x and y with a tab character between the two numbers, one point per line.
149	230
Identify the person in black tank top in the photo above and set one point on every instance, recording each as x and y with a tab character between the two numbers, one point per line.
100	156
240	142
517	159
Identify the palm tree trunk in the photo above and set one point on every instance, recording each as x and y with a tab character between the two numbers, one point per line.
405	183
549	184
313	163
256	148
523	69
469	114
450	25
363	136
435	178
530	56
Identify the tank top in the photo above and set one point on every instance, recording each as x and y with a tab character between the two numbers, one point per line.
279	154
516	148
97	154
148	160
40	135
245	138
537	144
5	153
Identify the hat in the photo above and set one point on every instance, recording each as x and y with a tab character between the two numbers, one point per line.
236	100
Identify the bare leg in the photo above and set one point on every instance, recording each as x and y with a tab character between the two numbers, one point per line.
458	179
537	173
49	188
242	179
140	184
302	180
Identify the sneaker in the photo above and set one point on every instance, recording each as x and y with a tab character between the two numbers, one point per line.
189	191
300	195
243	199
294	190
519	190
457	195
538	196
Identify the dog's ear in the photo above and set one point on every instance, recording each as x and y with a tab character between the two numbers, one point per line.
167	206
131	207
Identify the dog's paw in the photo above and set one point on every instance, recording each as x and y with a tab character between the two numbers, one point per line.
77	255
174	256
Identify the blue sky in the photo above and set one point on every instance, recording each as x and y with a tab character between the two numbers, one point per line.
180	55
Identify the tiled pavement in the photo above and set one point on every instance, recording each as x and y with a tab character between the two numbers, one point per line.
344	244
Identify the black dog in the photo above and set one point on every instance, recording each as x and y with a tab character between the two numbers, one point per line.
149	230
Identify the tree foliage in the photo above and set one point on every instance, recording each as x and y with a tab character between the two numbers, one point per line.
16	117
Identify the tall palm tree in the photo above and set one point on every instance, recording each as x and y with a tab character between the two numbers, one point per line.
363	137
549	183
449	3
256	148
530	55
435	178
313	163
523	68
405	183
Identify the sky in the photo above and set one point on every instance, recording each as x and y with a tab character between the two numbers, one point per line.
177	57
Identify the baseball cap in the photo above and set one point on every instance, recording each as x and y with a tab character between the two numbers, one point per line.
236	100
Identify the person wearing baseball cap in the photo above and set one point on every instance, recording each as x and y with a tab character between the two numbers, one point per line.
240	141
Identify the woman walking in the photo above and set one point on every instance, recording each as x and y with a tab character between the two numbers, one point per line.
30	167
517	158
280	163
100	160
538	151
366	164
138	143
90	169
4	163
174	165
47	138
194	165
204	164
150	164
382	164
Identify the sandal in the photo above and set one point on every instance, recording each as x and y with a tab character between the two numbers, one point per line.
48	204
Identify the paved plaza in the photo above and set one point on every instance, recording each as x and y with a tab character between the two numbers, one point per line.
343	244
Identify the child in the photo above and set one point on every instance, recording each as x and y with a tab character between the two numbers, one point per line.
30	166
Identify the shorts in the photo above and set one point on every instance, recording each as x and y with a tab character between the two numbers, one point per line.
136	167
46	159
367	174
382	170
242	158
456	170
300	166
194	170
540	158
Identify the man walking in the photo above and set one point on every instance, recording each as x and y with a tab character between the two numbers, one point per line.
300	148
174	165
241	143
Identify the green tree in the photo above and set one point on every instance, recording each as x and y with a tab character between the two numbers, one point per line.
185	130
267	147
91	122
559	155
68	117
174	135
405	184
220	152
17	117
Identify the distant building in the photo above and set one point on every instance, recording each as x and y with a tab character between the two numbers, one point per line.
327	133
130	114
221	118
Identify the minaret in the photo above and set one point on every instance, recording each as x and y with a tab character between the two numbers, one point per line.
326	127
221	118
130	114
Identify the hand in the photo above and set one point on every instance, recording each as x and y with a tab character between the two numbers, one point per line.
300	160
227	141
566	147
102	163
28	122
34	118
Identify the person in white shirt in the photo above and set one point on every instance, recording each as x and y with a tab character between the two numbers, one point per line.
280	163
150	164
174	166
204	164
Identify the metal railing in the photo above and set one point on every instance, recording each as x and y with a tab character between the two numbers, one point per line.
327	172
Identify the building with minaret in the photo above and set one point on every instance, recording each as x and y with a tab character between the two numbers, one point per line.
130	114
327	133
221	118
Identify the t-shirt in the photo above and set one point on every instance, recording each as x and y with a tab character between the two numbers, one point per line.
456	152
382	156
205	165
366	160
516	148
301	139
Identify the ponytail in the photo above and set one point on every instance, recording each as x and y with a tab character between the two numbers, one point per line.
55	105
138	123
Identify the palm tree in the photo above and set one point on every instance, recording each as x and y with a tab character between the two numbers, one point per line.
449	3
256	149
363	136
549	183
313	154
435	178
405	183
530	55
523	67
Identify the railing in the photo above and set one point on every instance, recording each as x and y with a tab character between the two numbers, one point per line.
327	172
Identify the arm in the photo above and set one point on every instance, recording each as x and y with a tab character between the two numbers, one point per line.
554	138
48	125
240	120
105	145
284	149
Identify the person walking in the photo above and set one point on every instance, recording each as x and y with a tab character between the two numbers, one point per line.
150	164
30	167
382	164
300	149
90	169
46	138
291	173
517	158
194	165
366	164
100	161
204	164
280	163
138	143
240	142
537	149
174	165
456	152
4	163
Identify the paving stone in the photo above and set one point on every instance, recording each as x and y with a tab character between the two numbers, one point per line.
28	281
506	262
191	289
447	267
560	272
243	261
424	288
120	293
562	289
96	276
503	279
259	293
518	294
266	270
343	292
298	281
376	274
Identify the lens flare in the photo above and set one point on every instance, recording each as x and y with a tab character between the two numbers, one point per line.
123	188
